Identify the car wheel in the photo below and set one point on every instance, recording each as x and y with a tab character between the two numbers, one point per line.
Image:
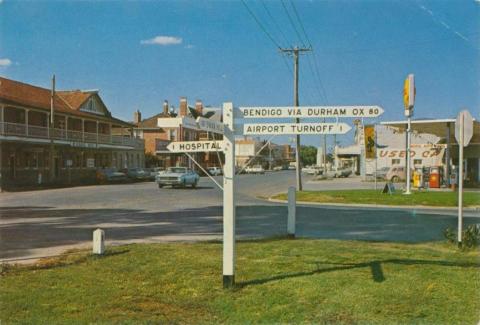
395	179
160	185
184	184
194	184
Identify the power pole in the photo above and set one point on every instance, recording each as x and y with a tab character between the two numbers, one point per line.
296	51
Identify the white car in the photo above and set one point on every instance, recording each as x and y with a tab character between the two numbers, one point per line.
177	176
214	171
257	169
313	170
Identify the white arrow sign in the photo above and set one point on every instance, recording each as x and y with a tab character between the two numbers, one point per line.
195	146
311	111
296	128
209	125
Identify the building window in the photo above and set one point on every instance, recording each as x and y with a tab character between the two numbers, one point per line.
417	161
395	161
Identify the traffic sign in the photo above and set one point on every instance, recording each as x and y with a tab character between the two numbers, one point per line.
195	146
467	127
409	92
310	111
209	125
296	128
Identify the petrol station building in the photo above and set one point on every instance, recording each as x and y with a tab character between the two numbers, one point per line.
433	145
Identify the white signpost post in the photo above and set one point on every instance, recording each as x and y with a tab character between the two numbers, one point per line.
463	135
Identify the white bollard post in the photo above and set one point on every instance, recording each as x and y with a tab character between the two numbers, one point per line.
292	207
99	242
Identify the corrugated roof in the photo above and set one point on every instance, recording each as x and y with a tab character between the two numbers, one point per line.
75	98
16	92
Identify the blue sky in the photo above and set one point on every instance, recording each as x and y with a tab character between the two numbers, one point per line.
139	53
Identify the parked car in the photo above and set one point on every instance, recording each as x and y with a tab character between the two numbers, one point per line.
257	169
397	173
177	176
110	175
277	168
215	171
137	174
342	172
382	172
313	170
152	172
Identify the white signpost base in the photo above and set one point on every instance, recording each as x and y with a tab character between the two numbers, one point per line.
229	198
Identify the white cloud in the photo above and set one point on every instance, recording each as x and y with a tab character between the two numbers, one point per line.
162	40
189	46
5	62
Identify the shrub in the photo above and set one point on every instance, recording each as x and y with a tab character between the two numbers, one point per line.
470	236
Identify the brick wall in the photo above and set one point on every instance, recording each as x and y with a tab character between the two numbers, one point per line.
150	137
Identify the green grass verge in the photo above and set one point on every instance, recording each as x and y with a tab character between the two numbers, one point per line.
279	281
438	199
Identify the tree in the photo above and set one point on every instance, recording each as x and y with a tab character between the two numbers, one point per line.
151	160
308	155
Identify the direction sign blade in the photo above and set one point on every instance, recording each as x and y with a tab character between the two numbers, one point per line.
295	128
311	111
195	146
209	125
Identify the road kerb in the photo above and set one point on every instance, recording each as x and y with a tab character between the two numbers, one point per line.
358	205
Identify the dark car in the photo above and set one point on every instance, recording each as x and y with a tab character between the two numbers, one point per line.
138	174
110	175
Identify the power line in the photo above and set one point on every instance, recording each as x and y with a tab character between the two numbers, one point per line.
300	21
292	23
260	25
315	72
275	23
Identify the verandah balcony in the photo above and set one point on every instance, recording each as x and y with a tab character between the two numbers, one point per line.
33	131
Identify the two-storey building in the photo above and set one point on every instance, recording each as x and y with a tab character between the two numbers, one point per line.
169	125
83	137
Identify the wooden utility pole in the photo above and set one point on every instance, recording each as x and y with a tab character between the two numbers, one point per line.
51	123
295	52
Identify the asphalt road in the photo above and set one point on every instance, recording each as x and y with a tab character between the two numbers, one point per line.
47	222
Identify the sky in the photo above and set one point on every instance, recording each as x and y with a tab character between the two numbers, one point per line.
138	53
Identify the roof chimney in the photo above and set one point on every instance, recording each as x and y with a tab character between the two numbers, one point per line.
137	117
165	107
199	107
183	111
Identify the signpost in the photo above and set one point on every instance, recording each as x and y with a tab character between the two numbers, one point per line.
295	128
311	111
227	145
195	146
463	135
409	93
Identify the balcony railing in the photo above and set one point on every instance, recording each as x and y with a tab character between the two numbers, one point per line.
32	131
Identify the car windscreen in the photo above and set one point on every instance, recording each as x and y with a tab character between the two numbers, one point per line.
177	170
